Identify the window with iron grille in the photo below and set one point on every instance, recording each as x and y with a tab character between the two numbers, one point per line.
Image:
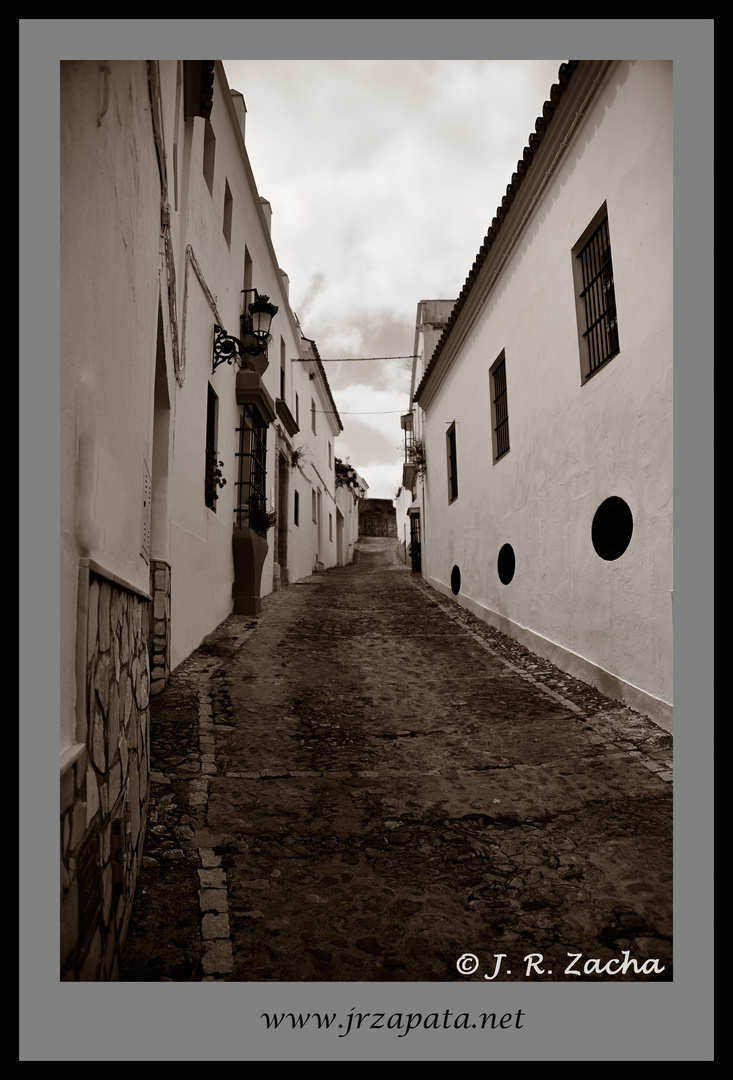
227	221
212	467
499	408
415	557
209	156
282	369
251	508
452	463
296	509
596	299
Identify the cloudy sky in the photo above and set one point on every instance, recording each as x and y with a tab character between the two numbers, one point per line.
383	178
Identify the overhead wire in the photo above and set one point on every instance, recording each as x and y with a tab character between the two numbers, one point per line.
347	359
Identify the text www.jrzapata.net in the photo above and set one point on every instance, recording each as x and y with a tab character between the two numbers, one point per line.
401	1022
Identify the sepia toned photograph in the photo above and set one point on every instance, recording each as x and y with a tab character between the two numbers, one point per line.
367	597
367	429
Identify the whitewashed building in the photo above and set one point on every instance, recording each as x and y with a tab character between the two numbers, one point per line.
351	488
545	408
430	322
182	496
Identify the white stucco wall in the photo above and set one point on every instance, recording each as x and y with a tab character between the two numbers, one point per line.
348	506
311	540
573	445
110	220
201	538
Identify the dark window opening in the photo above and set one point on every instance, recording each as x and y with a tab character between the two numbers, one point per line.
296	509
415	557
452	464
209	155
282	369
499	409
599	324
251	508
212	473
455	580
228	204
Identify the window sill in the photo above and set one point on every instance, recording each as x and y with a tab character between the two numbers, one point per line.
588	375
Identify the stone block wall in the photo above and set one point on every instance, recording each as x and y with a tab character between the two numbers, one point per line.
160	637
104	793
377	517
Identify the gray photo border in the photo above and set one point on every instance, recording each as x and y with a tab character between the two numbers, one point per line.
220	1022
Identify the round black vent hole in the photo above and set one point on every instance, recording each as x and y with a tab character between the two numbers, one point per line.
613	524
506	564
455	580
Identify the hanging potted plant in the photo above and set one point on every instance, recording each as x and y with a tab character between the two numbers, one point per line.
297	456
215	478
418	457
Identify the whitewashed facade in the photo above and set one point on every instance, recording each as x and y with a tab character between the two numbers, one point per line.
430	322
546	508
164	240
350	489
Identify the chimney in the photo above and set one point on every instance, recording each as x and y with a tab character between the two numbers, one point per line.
286	284
239	108
268	213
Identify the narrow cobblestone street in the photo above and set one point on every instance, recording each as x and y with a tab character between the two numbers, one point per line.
367	783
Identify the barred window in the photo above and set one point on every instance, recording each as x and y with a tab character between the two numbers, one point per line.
596	298
228	206
282	369
213	466
499	408
251	508
209	156
452	463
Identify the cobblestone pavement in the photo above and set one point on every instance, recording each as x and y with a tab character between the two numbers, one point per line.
368	782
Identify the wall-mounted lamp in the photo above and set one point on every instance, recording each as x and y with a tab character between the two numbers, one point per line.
255	331
257	326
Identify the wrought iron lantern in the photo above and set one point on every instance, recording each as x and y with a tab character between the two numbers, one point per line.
261	314
255	331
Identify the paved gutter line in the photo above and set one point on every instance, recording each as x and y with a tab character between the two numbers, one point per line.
217	959
662	768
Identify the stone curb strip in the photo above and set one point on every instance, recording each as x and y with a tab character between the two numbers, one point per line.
217	960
